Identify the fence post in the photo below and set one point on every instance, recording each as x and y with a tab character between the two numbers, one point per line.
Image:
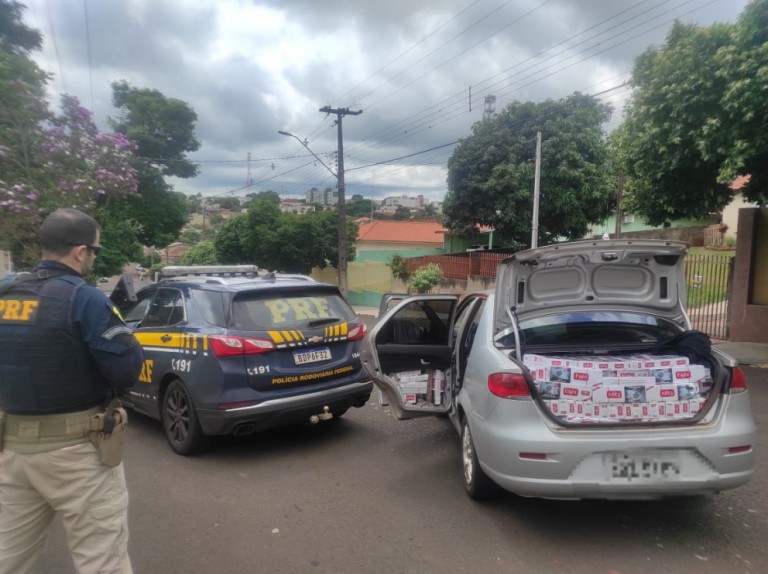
729	292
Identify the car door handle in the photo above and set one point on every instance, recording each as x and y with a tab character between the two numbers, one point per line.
424	363
165	338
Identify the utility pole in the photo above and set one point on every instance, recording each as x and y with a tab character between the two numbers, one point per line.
536	180
619	194
340	113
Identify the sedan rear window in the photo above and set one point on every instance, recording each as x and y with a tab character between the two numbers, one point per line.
290	311
591	328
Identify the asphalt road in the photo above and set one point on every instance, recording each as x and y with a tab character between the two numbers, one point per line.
367	493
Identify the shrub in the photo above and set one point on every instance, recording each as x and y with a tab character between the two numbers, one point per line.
399	267
425	278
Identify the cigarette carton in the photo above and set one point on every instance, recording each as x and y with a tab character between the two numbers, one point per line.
687	391
635	394
656	393
549	390
608	395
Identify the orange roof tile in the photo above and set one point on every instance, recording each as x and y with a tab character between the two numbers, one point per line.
739	182
402	231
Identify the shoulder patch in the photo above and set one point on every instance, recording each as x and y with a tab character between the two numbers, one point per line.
113	332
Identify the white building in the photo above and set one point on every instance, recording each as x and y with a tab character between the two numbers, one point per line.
296	206
327	196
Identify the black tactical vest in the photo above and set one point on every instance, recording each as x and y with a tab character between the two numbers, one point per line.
45	367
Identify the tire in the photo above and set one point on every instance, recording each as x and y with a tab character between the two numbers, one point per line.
180	422
476	482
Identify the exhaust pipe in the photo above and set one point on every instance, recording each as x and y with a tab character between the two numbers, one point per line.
244	430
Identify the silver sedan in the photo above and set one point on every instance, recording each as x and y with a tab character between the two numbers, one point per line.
577	377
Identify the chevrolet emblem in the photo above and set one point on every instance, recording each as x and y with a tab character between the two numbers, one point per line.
314	339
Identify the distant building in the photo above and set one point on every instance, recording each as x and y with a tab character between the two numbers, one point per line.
390	204
327	196
296	206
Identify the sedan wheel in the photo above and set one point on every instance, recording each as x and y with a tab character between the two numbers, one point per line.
476	482
182	427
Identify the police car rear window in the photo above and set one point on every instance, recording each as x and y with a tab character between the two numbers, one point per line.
289	311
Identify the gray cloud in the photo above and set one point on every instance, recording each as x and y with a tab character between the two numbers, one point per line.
251	68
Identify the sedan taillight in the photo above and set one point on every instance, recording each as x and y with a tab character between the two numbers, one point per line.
508	385
738	381
231	346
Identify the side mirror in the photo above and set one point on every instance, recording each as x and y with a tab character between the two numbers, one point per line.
124	292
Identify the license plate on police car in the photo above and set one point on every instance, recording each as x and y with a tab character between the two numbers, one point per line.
313	356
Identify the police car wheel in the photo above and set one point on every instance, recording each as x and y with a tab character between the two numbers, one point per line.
182	427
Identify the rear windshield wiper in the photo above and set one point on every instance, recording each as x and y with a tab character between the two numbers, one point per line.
325	321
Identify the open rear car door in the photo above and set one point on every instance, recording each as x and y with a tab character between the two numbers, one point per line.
408	353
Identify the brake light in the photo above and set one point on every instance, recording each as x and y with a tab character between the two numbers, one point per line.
738	381
508	385
357	333
232	346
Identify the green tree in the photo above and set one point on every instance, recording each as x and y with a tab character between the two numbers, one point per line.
401	213
424	279
234	241
697	119
359	207
491	173
229	203
204	253
164	131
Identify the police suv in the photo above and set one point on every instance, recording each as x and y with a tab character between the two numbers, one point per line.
231	351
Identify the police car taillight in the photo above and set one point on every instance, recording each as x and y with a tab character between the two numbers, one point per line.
230	345
357	333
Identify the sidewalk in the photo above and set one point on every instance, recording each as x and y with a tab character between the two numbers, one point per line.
753	354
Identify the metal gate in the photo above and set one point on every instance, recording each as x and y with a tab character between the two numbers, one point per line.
708	279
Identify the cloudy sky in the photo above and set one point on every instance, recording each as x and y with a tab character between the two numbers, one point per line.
420	71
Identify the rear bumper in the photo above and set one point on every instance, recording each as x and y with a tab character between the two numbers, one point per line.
560	474
283	411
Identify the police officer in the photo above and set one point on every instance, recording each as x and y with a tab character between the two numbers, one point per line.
64	353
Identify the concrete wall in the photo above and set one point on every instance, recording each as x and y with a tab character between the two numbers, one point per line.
749	298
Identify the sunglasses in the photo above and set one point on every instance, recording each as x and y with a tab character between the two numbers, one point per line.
94	248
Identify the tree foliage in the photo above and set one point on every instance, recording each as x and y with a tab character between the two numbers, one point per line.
697	119
69	164
164	131
491	173
282	241
424	279
204	253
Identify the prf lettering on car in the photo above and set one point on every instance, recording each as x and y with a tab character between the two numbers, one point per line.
298	309
21	310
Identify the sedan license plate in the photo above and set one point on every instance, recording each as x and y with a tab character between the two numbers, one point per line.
313	356
642	467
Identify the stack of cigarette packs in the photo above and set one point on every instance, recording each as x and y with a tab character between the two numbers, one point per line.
421	388
636	387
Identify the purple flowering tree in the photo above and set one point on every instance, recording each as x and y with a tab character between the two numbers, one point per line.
71	164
